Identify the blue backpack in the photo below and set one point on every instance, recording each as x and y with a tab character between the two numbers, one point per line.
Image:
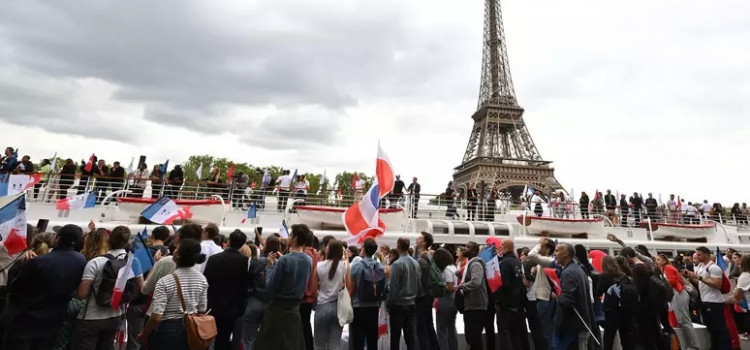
371	285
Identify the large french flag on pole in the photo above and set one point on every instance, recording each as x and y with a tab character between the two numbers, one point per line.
13	224
165	211
491	267
81	201
362	219
123	276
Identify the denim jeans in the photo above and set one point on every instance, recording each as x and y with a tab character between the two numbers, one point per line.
546	311
169	335
445	318
251	321
327	328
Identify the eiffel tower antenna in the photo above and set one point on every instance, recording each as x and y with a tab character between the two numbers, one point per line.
500	152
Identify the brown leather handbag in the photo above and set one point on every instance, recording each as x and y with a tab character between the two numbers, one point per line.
200	328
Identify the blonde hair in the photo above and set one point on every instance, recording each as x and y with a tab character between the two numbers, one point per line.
95	244
42	243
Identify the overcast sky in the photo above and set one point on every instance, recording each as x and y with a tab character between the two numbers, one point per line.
633	96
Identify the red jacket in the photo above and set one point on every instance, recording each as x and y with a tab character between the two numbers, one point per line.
674	278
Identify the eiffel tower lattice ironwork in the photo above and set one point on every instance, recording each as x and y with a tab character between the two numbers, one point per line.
501	153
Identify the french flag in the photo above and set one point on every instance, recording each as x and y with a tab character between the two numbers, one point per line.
362	219
13	184
491	267
165	211
13	225
123	276
284	229
382	320
252	213
81	201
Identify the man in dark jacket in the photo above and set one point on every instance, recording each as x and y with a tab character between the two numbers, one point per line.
573	314
509	300
227	277
426	336
610	203
38	298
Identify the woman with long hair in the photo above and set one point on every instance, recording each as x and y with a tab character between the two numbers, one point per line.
680	303
259	296
166	329
615	319
95	243
331	276
446	307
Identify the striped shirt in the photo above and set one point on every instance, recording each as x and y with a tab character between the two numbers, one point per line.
166	302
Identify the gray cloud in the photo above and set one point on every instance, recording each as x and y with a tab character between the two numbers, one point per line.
190	63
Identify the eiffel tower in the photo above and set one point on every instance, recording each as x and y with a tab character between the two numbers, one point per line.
501	153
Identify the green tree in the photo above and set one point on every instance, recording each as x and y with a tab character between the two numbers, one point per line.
344	181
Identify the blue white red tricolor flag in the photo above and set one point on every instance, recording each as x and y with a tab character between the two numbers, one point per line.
163	168
141	252
252	213
491	267
13	184
123	276
362	219
165	211
81	201
13	225
284	230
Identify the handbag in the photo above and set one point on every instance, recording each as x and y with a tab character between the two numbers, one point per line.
344	309
200	328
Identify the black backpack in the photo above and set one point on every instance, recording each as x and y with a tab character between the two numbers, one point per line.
630	299
371	285
435	282
103	294
659	291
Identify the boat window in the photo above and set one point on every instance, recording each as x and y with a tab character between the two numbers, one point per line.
668	253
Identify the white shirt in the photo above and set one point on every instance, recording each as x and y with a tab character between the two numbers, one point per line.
209	248
301	186
284	181
329	288
744	283
706	208
531	292
449	273
709	294
536	199
690	210
360	184
672	204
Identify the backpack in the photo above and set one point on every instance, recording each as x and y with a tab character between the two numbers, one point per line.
103	294
371	284
435	284
628	295
659	290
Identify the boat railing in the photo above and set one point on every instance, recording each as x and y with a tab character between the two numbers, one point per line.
424	206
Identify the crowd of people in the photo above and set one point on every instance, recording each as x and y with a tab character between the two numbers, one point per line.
262	292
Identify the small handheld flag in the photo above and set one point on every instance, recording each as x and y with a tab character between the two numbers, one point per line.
294	178
323	178
355	179
491	267
123	276
13	225
163	168
251	213
199	172
284	230
230	172
165	211
81	201
140	251
130	166
90	164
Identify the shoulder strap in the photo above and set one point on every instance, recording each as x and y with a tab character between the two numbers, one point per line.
179	292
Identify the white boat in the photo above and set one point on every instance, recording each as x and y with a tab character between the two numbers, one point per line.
203	210
324	217
536	225
683	231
